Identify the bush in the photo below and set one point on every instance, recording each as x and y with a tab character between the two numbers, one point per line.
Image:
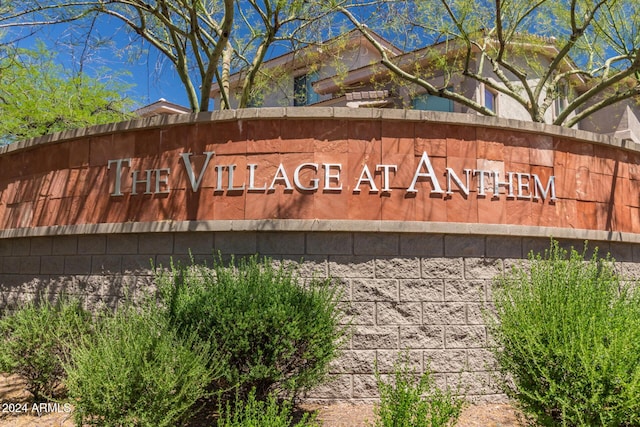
272	333
567	336
36	343
135	371
411	400
255	413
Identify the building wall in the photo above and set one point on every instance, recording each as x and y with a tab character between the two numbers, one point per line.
416	269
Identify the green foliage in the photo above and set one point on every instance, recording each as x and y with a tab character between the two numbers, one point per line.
410	400
272	333
136	371
567	336
38	96
256	413
36	340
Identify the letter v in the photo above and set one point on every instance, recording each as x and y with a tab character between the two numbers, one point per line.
195	182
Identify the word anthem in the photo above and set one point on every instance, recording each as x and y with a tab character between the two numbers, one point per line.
331	177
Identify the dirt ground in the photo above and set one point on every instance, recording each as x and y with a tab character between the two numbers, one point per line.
16	410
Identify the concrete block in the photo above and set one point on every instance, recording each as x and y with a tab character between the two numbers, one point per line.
473	383
458	336
374	290
465	246
354	362
106	264
77	264
421	289
475	313
504	247
138	264
482	268
449	313
375	337
424	245
388	359
21	247
394	313
155	243
6	247
398	268
335	387
464	290
351	266
197	243
239	243
376	244
92	244
53	264
65	245
122	244
330	243
365	386
481	359
30	265
282	243
425	337
10	264
308	266
446	360
443	268
41	246
360	313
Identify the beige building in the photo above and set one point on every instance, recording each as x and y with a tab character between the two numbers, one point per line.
346	72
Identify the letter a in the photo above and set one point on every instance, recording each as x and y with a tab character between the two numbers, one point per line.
425	163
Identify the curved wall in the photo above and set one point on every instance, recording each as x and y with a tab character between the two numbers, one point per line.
323	164
414	212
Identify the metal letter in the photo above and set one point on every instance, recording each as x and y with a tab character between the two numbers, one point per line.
452	174
523	186
281	175
497	184
328	176
551	187
252	176
195	183
314	181
385	175
425	163
135	181
369	179
117	187
161	178
230	187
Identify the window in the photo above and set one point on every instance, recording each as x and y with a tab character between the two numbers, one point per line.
303	93
432	103
560	98
490	99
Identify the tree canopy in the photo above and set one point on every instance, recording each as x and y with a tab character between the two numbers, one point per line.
38	96
533	51
204	40
536	52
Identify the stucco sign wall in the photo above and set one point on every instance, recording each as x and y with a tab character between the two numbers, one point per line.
323	164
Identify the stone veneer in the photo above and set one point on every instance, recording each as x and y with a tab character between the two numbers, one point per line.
414	277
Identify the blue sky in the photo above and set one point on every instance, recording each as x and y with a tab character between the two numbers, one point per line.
151	80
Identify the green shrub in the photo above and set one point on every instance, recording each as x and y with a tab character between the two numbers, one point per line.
256	413
36	340
272	333
411	400
135	371
567	336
